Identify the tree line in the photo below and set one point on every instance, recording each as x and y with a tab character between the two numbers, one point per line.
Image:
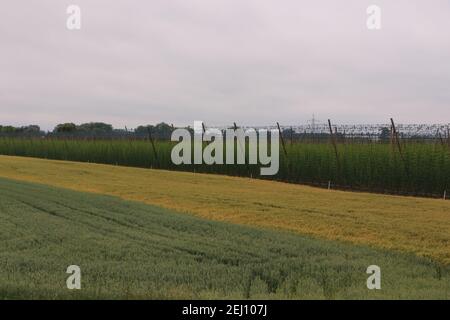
91	129
160	131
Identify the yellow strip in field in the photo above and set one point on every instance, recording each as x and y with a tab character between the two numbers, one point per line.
420	226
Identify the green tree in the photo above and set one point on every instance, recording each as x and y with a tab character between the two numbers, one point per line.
98	127
385	133
65	128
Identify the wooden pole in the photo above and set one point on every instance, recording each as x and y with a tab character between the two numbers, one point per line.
282	140
153	144
399	146
392	138
396	137
334	143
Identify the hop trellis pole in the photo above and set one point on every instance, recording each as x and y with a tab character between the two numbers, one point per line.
152	143
399	146
282	139
333	141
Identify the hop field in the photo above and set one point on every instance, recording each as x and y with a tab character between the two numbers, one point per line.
422	168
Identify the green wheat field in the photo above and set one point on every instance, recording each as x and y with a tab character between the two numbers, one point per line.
130	250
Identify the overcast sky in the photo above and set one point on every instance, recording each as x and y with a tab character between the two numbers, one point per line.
247	61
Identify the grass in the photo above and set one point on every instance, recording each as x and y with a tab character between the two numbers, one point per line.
369	166
130	250
415	225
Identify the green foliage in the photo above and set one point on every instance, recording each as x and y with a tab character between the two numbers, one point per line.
95	127
385	133
91	127
25	130
160	131
65	128
135	251
373	166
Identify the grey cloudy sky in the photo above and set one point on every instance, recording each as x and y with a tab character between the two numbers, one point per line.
249	61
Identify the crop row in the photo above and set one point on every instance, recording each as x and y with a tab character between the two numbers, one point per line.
420	168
